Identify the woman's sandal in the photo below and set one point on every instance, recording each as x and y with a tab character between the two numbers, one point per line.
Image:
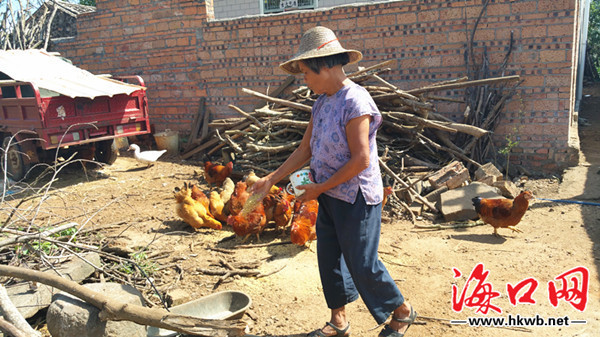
389	332
339	332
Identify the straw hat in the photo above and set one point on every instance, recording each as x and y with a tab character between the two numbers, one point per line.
317	42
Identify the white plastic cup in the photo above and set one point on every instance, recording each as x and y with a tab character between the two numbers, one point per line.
298	178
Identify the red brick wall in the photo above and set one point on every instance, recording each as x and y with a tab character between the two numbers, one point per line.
183	55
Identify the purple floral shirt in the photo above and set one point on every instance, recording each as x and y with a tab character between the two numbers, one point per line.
329	145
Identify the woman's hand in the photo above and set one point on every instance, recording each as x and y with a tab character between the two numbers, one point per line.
261	186
311	191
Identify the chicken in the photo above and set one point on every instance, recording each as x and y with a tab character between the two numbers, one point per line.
503	213
283	213
215	173
227	190
277	209
250	178
253	222
217	206
387	190
199	196
192	211
219	201
303	222
238	198
269	202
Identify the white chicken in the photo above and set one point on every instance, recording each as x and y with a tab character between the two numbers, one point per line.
146	157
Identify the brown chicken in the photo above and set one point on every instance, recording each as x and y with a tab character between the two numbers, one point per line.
277	209
303	222
387	190
503	213
217	206
238	198
199	196
215	173
269	202
192	211
253	222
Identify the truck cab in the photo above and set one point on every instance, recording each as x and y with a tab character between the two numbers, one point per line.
65	113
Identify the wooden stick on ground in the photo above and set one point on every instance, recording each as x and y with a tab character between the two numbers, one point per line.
34	236
111	309
12	314
10	329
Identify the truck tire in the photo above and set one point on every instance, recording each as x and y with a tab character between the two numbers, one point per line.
106	151
15	165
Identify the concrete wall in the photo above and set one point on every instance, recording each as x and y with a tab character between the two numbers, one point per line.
183	54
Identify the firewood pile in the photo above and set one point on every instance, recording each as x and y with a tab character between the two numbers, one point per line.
414	140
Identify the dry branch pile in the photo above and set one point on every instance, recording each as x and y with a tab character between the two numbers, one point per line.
414	139
33	236
19	31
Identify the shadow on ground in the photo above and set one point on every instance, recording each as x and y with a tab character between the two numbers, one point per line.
583	181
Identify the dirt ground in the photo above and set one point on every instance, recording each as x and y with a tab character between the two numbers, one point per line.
557	238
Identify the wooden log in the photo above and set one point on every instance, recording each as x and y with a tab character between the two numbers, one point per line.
10	311
286	83
373	67
443	148
456	80
284	102
273	149
212	142
247	115
214	149
406	185
204	125
395	89
459	85
443	98
289	122
395	99
11	330
231	143
199	121
422	121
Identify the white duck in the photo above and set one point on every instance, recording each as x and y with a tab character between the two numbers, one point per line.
146	157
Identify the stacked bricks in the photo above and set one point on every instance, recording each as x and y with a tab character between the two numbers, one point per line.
183	54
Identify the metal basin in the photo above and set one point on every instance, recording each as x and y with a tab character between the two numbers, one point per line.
221	305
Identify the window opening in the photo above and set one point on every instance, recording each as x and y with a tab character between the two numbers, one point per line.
276	6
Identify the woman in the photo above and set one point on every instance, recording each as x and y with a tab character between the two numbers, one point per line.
340	143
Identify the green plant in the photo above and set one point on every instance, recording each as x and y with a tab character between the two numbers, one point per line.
593	37
67	232
506	150
33	247
139	259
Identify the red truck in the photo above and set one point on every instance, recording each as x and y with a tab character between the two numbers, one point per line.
82	113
